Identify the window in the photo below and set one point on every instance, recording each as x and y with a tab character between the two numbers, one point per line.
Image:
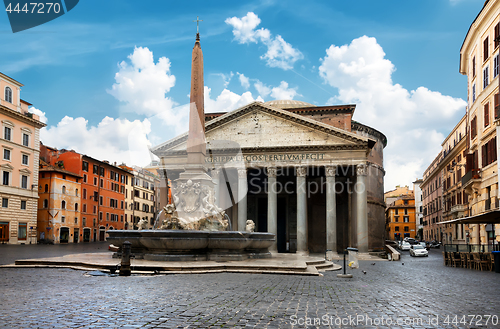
396	228
63	219
84	221
84	207
46	188
26	139
102	183
85	166
95	181
6	178
95	210
406	210
45	203
76	206
100	216
396	211
8	94
24	181
396	219
23	204
486	78
22	231
7	133
85	193
473	66
85	178
486	52
64	189
486	114
497	34
497	106
495	66
6	154
473	93
5	203
95	169
25	160
407	229
76	192
100	200
76	220
473	128
406	219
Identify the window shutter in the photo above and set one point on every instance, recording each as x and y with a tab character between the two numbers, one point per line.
474	66
476	160
494	150
469	162
497	34
486	114
485	48
497	114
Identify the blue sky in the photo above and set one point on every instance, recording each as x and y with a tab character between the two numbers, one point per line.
397	60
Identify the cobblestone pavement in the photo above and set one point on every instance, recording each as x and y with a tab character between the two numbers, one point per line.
420	290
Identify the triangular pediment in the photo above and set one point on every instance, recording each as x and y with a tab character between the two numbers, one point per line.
25	171
261	126
7	167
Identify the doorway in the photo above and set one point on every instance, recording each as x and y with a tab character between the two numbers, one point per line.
262	215
76	235
281	234
86	235
4	232
102	233
64	235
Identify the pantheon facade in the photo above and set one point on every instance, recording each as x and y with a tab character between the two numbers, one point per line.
309	174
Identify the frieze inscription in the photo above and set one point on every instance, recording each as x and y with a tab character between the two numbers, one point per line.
265	157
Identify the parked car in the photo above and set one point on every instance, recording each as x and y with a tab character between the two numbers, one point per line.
434	244
424	244
418	250
405	245
411	241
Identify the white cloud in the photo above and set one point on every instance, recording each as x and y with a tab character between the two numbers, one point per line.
226	78
141	84
227	101
411	120
38	112
245	82
283	92
279	53
262	89
115	140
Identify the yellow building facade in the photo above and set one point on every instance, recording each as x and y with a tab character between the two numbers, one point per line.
20	152
479	60
400	218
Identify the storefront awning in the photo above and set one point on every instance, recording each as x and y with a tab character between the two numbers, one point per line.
492	217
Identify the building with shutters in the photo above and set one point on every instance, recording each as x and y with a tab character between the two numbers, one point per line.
479	61
19	147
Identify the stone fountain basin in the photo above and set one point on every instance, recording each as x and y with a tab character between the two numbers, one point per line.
178	240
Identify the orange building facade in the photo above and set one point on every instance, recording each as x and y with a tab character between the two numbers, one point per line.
59	205
102	192
400	218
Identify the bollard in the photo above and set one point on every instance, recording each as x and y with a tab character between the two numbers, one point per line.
125	265
345	275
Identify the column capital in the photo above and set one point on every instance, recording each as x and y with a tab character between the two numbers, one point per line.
242	173
330	171
361	170
271	172
215	172
301	171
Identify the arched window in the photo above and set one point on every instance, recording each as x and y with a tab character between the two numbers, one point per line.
64	189
45	203
46	188
63	204
8	94
76	192
76	206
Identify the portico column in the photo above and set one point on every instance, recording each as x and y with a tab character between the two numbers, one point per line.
361	209
215	178
242	197
331	209
272	206
301	210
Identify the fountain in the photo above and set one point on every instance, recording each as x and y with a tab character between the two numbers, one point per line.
194	227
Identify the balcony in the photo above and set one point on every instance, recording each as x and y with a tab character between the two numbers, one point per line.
471	180
457	208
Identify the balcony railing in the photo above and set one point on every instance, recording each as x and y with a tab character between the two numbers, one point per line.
473	174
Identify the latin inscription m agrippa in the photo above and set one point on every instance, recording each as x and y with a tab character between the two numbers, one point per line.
265	157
